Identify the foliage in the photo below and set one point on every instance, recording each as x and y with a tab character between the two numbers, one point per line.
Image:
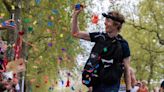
47	35
144	31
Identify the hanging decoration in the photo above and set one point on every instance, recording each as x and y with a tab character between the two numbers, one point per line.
60	58
46	79
72	88
37	1
30	29
2	15
63	49
32	80
48	30
95	19
54	11
5	62
35	22
27	20
35	67
50	24
61	83
37	85
61	35
51	17
50	44
68	82
18	46
12	7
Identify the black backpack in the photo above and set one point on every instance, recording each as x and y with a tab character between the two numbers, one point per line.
97	68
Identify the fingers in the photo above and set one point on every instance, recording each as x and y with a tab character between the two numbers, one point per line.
78	8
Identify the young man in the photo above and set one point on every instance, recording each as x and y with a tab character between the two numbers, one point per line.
113	24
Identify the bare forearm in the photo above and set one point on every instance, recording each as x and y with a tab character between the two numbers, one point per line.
127	79
75	28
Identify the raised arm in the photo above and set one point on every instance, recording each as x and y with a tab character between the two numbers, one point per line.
75	31
127	76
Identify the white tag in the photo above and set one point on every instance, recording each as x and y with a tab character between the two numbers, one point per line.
105	66
93	55
107	61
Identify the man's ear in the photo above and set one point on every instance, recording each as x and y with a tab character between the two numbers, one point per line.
119	25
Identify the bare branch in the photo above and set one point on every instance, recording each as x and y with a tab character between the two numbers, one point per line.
8	6
139	27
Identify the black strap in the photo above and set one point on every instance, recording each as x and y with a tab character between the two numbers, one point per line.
115	45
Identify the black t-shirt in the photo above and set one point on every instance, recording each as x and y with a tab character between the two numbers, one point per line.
125	47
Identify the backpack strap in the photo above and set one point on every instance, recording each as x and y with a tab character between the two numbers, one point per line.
115	49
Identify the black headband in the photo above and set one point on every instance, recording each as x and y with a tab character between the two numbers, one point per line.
113	18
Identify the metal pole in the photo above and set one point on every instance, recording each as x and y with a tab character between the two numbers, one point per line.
22	83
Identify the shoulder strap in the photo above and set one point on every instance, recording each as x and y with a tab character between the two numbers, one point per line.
98	47
105	42
115	49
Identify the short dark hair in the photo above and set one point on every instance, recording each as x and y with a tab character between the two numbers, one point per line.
116	17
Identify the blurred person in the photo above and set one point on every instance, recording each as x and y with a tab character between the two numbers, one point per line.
143	87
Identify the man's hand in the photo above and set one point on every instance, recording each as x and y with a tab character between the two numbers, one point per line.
77	11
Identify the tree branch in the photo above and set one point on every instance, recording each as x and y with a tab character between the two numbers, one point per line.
139	27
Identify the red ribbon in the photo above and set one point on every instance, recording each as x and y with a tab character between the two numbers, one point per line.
68	83
18	46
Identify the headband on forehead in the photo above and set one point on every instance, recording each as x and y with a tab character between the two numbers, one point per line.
112	17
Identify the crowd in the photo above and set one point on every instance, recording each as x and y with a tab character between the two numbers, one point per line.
8	79
139	86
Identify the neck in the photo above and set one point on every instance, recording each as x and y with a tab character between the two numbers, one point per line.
112	34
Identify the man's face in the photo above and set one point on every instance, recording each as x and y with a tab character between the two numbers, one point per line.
109	27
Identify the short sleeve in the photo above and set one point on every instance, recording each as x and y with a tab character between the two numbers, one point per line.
94	36
126	50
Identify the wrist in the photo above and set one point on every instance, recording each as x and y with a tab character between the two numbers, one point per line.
74	15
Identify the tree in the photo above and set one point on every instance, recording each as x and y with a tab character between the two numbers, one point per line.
144	30
47	42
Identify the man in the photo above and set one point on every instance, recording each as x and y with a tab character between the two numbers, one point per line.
113	24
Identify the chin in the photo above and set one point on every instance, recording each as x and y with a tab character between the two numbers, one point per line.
107	31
